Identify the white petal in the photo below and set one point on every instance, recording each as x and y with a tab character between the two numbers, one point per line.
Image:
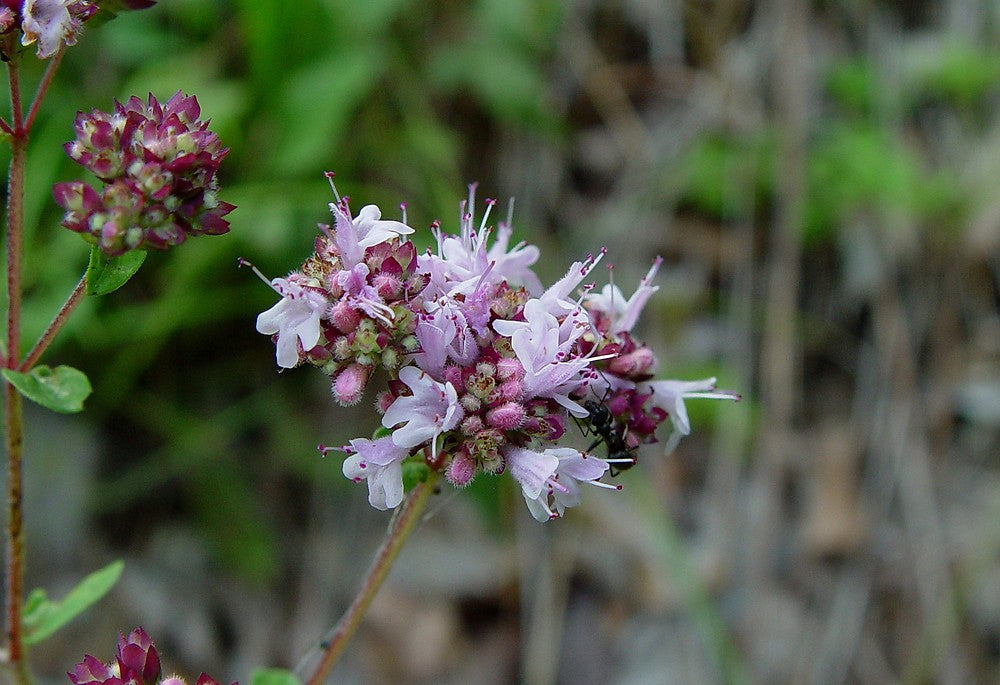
531	469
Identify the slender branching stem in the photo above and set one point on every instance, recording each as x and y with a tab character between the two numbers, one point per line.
43	88
18	129
50	333
15	218
12	399
15	530
403	523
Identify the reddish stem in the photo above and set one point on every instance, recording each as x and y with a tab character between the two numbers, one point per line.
402	525
43	87
12	399
15	529
50	333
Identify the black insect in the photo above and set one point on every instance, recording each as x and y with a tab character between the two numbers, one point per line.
609	430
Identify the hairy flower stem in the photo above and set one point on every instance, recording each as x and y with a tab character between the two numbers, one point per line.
12	399
402	525
50	333
43	87
20	128
15	530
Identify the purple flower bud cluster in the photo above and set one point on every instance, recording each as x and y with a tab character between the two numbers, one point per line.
485	367
136	662
158	164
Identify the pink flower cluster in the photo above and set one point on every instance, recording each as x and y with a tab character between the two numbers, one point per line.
486	367
136	662
158	164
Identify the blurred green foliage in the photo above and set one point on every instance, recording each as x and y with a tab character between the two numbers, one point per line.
865	156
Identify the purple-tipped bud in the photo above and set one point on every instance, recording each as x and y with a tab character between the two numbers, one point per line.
453	375
511	390
137	658
350	384
345	318
389	287
461	470
472	424
384	400
619	404
90	671
509	368
637	362
204	679
506	417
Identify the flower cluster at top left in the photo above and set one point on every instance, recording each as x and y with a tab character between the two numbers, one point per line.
136	662
158	164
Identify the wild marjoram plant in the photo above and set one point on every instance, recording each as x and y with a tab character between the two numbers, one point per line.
157	167
483	367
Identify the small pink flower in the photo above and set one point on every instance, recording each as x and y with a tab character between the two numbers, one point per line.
669	396
53	23
354	235
623	313
551	479
432	409
545	349
379	463
295	319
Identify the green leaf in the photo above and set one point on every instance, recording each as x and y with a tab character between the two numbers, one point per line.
62	389
274	676
105	275
43	617
414	472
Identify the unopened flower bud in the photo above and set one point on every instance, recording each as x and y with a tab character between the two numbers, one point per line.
493	463
137	658
390	358
453	375
342	348
470	403
506	417
344	317
635	363
461	470
619	404
511	390
472	424
389	287
147	154
509	368
384	400
350	384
